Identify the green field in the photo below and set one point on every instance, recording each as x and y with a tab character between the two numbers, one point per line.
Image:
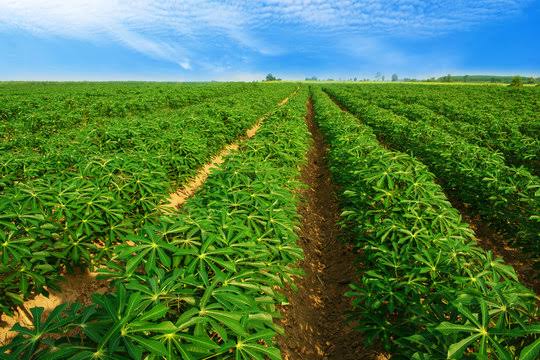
438	196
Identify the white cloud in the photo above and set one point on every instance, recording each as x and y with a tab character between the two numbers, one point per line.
185	65
182	32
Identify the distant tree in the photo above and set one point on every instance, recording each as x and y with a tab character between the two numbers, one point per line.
270	77
395	77
313	78
447	78
493	80
382	77
355	79
530	80
516	81
466	78
378	75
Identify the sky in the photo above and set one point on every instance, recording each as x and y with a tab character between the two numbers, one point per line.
190	40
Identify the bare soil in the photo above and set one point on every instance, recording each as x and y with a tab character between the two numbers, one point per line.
315	318
77	287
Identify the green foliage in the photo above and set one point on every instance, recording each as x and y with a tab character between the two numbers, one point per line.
507	196
427	290
516	82
70	203
201	283
82	180
468	113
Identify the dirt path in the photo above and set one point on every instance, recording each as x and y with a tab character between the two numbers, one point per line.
74	288
177	199
314	320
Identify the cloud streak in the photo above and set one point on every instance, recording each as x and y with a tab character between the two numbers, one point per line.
183	32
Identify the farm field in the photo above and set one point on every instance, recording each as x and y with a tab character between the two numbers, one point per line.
274	220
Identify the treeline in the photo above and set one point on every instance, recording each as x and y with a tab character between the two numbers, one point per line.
500	79
485	78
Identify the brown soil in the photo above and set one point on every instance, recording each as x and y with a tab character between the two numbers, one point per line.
177	199
490	239
74	288
315	318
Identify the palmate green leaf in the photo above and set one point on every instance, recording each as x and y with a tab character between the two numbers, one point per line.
153	346
531	351
502	353
151	251
157	312
230	320
13	249
498	266
186	351
455	351
448	328
250	350
33	338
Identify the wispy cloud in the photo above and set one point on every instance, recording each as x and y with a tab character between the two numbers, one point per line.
190	32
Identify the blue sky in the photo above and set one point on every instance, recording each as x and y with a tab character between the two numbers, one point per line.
244	40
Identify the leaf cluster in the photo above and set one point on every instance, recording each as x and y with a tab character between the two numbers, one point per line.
201	283
427	290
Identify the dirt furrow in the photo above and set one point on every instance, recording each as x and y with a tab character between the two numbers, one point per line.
74	288
315	318
178	198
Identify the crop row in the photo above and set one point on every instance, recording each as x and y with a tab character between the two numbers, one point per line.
509	197
478	105
201	283
27	119
503	135
427	291
152	132
113	179
474	125
506	108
